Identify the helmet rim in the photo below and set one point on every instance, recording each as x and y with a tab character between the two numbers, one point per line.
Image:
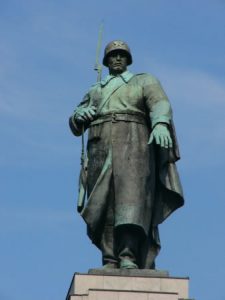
114	46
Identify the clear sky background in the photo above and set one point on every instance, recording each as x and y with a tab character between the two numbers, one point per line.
47	54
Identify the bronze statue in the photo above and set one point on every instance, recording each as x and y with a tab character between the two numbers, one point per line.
131	178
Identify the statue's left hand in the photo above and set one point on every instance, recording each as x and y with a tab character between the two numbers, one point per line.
161	135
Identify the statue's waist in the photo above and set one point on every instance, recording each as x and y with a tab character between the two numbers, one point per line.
116	117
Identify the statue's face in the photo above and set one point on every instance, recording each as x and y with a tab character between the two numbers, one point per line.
117	62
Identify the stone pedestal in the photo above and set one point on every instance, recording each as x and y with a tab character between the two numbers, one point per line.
127	285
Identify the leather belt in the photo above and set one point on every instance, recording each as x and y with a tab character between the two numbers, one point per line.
115	117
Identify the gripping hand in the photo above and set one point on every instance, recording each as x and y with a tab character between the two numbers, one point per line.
161	135
85	114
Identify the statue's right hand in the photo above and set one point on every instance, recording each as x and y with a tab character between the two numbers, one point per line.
85	114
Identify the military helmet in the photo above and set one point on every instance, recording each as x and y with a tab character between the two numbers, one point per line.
117	45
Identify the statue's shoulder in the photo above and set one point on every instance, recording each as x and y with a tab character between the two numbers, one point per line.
94	87
146	78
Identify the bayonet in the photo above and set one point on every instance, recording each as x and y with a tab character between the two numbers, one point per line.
83	172
98	66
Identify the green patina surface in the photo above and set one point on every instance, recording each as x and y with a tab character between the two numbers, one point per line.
131	176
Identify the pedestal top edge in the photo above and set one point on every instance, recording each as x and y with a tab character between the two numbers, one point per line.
130	275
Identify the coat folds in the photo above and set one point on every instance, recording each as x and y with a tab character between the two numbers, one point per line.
143	178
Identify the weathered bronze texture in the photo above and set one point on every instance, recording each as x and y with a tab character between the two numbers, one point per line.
131	178
117	45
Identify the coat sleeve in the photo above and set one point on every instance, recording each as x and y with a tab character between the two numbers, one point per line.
160	111
75	127
156	101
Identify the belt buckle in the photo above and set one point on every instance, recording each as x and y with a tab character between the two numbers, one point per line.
114	118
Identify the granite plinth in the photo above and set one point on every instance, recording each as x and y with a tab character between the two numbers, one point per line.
124	295
131	285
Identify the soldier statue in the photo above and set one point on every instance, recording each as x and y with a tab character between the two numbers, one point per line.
131	178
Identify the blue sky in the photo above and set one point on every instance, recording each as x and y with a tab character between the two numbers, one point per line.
47	54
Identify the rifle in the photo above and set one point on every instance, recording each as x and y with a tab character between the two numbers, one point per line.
98	66
83	172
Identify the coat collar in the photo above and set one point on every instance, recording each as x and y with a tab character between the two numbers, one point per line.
126	76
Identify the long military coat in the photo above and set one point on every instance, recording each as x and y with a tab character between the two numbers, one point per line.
142	178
